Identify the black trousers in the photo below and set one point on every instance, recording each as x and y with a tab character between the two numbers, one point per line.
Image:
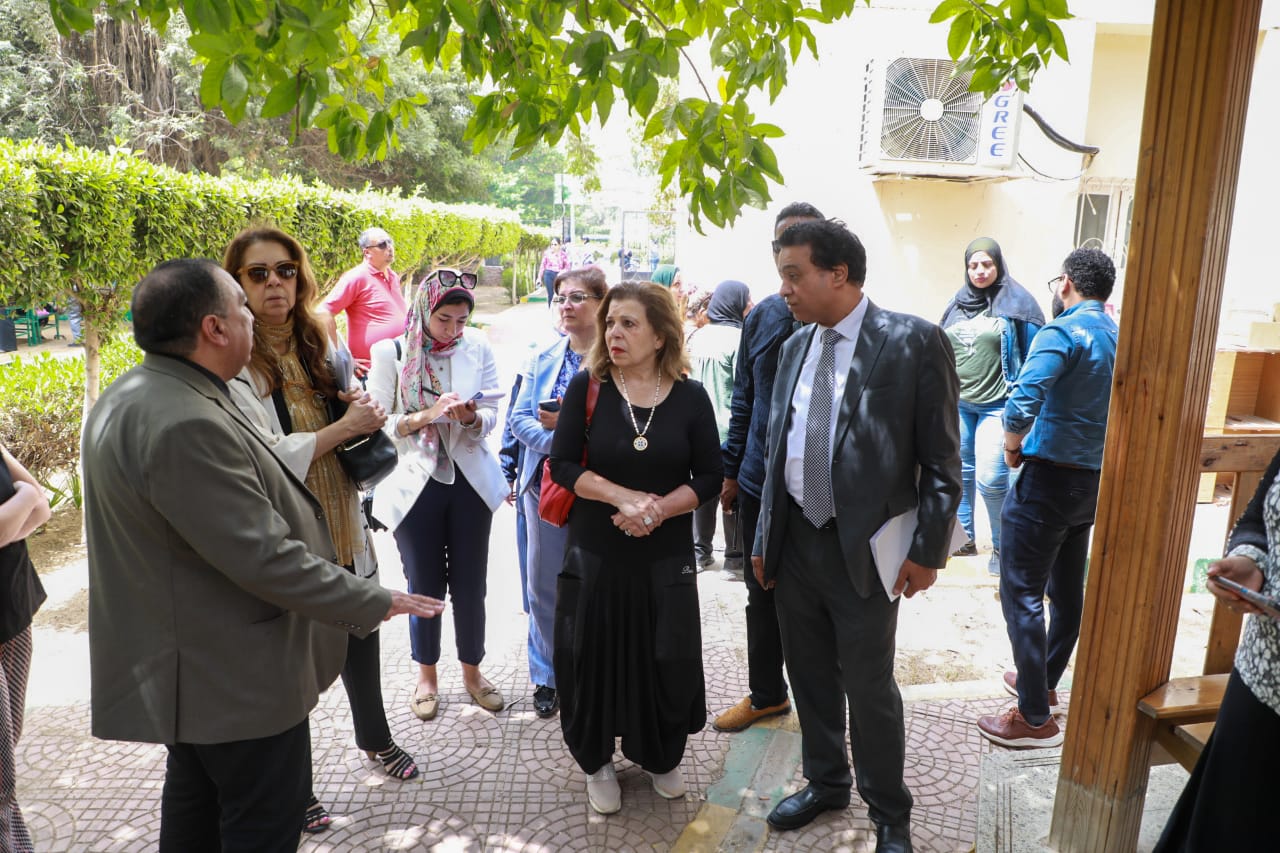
246	796
840	646
444	546
362	679
764	639
1228	799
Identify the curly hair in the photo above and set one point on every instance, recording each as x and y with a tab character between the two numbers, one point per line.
307	331
1092	272
661	313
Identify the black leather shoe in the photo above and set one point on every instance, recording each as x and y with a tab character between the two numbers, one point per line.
803	806
545	701
893	837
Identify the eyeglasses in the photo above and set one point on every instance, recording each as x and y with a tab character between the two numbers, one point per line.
259	273
384	245
449	278
1053	282
577	297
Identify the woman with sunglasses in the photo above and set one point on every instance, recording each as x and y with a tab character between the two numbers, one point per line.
440	500
990	323
284	390
578	293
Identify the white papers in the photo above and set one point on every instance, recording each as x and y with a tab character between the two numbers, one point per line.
892	542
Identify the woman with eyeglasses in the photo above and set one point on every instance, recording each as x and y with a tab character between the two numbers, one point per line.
440	500
578	293
284	390
990	323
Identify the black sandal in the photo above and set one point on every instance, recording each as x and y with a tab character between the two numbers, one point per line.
396	762
316	818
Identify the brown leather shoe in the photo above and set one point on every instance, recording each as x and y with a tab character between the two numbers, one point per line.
1011	687
1012	729
744	715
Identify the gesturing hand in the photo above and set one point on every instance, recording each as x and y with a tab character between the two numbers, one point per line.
415	605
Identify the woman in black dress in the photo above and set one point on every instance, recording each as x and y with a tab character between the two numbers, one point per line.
628	645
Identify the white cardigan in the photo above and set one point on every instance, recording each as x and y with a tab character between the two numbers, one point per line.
472	369
295	450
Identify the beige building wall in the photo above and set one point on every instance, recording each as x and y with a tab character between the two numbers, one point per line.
915	231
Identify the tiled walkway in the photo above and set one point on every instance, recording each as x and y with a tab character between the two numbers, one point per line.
505	782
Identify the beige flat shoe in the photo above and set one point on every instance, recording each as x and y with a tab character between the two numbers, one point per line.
489	698
425	706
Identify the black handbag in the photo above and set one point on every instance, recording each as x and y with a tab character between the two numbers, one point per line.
366	459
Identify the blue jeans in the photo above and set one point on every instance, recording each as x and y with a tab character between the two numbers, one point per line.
1047	518
982	463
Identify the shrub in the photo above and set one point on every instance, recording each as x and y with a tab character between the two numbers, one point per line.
41	419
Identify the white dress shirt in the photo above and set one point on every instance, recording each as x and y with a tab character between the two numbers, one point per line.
849	328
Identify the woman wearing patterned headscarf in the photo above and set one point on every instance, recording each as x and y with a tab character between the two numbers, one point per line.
440	500
989	322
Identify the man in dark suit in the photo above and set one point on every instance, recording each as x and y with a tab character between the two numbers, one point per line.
862	428
217	612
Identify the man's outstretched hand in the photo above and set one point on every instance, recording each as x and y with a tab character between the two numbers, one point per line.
415	605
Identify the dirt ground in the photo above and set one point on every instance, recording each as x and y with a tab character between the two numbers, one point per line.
58	543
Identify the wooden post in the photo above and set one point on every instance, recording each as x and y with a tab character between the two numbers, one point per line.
1202	54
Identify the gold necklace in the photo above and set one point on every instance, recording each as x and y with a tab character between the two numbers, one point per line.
641	443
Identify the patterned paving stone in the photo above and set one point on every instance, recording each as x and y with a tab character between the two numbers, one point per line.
492	782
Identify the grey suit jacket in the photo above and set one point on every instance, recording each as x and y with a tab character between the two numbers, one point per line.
898	415
215	610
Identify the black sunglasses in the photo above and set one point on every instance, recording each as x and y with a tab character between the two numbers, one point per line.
384	245
449	278
259	273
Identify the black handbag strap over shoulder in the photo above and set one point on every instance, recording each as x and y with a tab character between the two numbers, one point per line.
282	411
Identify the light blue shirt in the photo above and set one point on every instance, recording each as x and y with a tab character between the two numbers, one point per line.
1063	391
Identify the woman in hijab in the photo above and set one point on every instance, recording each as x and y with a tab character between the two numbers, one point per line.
713	352
440	500
990	323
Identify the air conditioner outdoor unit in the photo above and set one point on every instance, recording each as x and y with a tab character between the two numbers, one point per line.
919	120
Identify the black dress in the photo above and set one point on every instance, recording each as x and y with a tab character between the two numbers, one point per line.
628	643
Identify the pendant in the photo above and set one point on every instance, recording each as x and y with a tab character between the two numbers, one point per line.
641	443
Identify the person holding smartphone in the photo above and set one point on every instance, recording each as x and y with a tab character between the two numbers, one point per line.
578	293
1228	799
439	501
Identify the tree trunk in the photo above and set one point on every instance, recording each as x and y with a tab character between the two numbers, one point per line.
92	363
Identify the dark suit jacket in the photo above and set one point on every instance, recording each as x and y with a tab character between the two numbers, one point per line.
898	415
215	611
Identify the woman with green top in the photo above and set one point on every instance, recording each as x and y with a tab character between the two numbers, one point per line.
990	323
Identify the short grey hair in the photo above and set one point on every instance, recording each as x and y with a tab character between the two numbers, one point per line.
369	236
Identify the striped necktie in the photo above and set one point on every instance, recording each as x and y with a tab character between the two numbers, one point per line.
819	503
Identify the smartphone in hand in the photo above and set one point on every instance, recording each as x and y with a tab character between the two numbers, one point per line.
549	405
1265	603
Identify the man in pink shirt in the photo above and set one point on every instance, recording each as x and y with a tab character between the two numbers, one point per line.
370	294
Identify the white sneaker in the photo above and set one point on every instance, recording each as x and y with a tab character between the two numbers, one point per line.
670	784
602	790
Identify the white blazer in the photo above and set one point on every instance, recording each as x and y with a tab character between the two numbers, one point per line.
473	369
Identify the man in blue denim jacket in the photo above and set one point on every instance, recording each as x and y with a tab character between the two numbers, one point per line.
1055	423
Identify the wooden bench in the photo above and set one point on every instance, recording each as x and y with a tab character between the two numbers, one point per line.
1179	704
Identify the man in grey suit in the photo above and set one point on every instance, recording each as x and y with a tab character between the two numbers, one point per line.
216	611
862	428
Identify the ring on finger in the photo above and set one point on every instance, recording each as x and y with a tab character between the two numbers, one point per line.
647	521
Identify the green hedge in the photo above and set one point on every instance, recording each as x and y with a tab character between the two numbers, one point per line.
41	416
72	218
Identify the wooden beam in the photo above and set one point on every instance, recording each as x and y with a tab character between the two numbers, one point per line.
1235	453
1202	54
1224	628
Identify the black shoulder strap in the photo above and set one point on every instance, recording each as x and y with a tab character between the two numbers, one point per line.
282	410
